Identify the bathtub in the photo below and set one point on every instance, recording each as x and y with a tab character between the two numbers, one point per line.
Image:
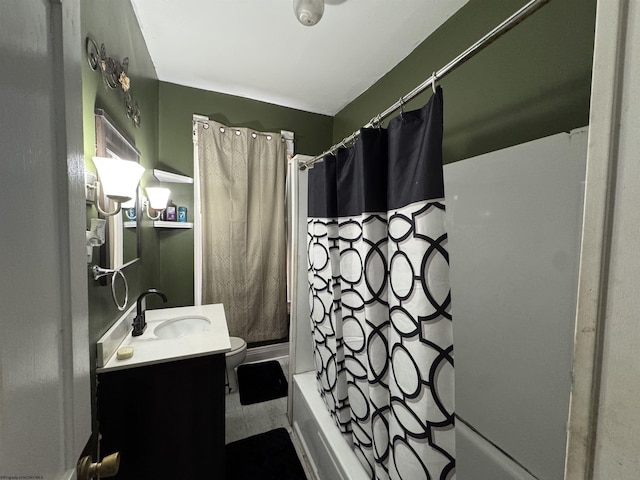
329	455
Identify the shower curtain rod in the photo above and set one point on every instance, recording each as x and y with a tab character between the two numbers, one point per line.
204	121
524	12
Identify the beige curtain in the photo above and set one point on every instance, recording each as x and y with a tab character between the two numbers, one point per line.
242	193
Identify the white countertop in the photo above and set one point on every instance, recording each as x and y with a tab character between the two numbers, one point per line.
149	349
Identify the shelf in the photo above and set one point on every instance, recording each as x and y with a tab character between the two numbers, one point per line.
165	224
169	177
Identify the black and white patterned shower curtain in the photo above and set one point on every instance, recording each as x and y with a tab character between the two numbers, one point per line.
380	297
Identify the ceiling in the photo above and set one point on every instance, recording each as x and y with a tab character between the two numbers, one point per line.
257	49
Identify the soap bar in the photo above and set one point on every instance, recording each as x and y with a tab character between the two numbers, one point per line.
124	353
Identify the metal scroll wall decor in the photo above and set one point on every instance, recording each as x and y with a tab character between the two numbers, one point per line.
114	74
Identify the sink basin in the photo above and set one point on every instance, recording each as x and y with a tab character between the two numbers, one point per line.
181	327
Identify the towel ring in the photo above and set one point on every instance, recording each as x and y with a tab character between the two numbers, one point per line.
113	289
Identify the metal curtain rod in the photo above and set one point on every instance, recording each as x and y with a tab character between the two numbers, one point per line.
524	12
204	121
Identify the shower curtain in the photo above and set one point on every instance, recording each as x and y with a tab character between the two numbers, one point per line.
242	192
380	297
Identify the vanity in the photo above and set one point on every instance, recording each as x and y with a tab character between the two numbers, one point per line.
163	408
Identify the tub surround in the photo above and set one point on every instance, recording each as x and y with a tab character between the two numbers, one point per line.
150	349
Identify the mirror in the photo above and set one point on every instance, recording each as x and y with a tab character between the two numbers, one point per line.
122	245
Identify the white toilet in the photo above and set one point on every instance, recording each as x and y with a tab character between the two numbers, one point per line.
234	358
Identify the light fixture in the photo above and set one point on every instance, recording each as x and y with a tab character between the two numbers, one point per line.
118	181
308	12
129	203
158	198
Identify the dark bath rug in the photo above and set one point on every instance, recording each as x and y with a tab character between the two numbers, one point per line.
259	382
266	456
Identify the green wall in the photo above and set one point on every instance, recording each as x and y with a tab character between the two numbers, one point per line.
166	259
533	82
177	106
114	24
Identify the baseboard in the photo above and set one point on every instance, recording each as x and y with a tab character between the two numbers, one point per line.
267	352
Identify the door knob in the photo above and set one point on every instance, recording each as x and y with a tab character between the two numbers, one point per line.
108	467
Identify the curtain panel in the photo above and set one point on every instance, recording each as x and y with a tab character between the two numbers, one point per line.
380	298
242	190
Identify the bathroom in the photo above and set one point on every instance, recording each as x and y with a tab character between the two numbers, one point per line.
506	97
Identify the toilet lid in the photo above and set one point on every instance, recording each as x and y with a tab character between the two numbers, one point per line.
236	344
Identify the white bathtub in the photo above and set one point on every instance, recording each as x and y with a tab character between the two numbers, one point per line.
329	454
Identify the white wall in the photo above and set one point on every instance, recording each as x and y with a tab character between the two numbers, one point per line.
514	222
618	426
301	346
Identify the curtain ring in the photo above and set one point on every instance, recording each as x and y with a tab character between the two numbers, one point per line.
434	82
113	289
377	121
401	106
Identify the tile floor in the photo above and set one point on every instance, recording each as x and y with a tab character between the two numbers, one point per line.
246	420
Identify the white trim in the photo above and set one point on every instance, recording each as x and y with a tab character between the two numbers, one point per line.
289	142
197	217
113	338
596	234
267	352
298	262
293	240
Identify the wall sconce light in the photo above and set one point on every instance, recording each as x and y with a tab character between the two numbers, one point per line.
95	236
308	12
118	180
158	198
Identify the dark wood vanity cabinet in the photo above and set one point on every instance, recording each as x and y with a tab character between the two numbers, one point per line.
166	419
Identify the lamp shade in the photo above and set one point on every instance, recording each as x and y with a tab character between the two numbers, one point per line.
308	12
129	203
119	178
158	197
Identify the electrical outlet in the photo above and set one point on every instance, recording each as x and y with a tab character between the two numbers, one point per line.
90	180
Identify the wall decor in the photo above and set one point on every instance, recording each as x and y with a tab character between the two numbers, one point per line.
114	74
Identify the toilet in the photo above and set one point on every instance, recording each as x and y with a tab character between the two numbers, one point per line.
234	358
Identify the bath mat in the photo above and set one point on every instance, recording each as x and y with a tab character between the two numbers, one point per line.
259	382
265	456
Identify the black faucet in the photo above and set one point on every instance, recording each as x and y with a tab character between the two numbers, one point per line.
139	323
